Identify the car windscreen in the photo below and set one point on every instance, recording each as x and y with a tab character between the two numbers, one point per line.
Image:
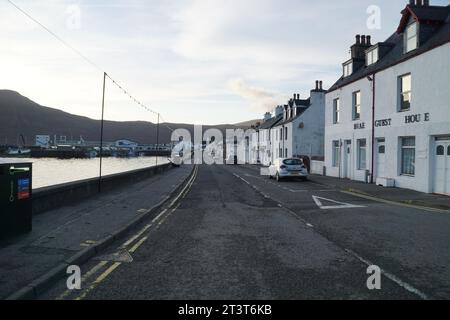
293	162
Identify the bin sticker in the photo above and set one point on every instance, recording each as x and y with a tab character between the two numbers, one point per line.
23	187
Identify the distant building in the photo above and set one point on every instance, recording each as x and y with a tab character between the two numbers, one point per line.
42	141
301	131
388	116
293	130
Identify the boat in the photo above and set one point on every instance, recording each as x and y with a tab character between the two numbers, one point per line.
18	152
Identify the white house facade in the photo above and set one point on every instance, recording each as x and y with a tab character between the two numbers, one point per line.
300	133
388	117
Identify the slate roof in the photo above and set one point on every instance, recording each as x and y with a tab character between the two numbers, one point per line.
396	54
271	122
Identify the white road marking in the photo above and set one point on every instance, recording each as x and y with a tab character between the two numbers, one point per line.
340	205
392	277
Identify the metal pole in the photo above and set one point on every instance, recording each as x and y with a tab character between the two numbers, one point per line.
101	134
157	139
373	129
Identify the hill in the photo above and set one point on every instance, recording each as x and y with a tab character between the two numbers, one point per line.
22	116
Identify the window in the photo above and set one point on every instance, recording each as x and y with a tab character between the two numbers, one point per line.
408	156
372	57
336	110
286	153
281	133
348	69
335	153
293	162
362	154
411	38
448	151
404	83
440	150
356	105
286	133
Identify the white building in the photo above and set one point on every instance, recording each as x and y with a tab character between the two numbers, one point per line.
300	133
294	130
261	151
388	116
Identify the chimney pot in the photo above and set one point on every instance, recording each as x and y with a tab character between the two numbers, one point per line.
320	85
358	39
368	40
317	84
363	40
411	2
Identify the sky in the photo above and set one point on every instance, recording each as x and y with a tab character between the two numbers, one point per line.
193	61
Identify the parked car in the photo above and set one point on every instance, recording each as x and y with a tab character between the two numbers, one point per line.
288	168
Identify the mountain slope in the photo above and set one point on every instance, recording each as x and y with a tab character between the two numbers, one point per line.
21	116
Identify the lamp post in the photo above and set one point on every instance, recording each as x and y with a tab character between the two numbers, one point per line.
101	134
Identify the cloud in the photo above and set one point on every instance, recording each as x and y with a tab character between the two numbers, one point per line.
260	99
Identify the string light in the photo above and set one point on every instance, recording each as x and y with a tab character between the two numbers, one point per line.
86	59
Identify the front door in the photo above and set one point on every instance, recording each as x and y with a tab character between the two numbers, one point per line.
442	167
348	159
381	160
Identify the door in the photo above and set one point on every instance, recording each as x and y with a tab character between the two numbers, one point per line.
441	176
381	158
348	159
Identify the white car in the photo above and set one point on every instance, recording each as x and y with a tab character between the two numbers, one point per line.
288	168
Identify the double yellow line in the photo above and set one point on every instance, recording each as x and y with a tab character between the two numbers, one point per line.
158	221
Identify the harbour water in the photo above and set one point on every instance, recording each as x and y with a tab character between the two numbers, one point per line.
49	171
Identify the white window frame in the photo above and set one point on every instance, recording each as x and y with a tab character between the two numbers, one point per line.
335	153
403	147
355	106
372	57
336	110
360	153
401	92
348	69
409	37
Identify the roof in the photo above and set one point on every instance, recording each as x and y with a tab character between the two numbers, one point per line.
271	122
300	102
423	14
396	55
300	111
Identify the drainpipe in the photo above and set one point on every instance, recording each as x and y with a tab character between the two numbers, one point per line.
373	128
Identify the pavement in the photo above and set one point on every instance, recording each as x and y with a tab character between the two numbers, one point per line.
234	234
390	194
67	234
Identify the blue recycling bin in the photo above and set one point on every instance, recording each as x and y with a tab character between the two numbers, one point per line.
15	199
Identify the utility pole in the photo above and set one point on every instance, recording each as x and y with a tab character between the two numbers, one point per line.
157	140
101	134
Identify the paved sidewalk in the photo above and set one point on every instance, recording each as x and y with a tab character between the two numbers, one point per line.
390	194
403	196
60	234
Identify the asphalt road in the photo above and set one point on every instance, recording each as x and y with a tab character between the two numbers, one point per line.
238	235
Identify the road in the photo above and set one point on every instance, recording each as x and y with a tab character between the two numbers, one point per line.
237	235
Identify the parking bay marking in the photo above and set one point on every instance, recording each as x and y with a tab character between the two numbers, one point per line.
339	205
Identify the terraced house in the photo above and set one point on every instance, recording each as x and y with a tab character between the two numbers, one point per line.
388	116
292	130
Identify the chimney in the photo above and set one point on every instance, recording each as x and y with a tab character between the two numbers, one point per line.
317	84
359	48
320	85
267	116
